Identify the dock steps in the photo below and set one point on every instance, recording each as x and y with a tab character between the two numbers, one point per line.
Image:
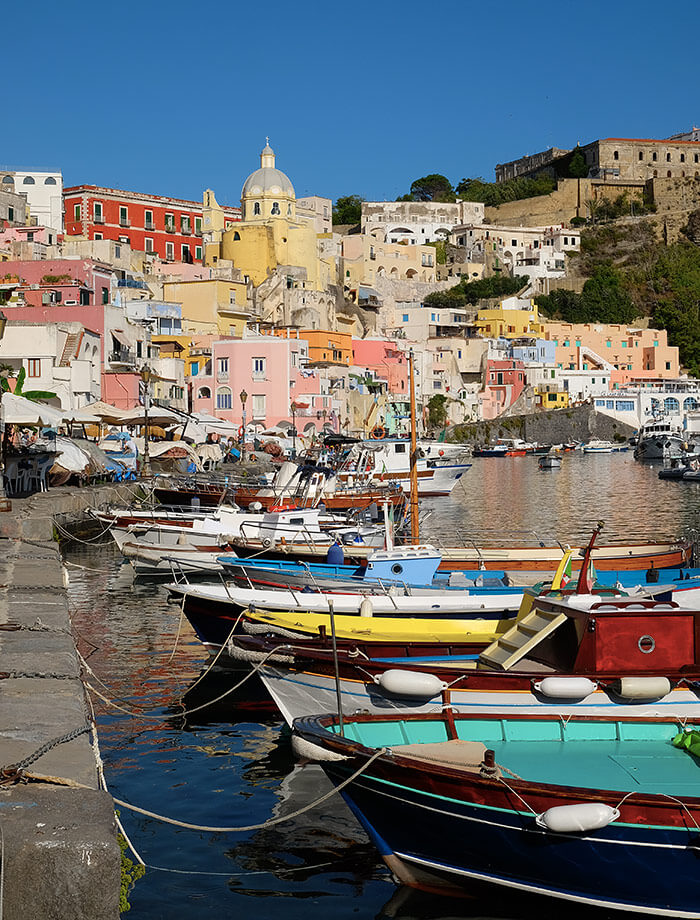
513	645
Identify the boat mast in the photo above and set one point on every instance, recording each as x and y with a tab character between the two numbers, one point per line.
415	537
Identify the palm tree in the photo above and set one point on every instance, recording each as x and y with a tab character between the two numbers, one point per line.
33	395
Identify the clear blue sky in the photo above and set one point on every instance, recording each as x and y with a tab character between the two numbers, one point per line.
357	98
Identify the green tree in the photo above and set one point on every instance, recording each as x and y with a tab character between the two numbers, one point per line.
604	299
577	165
432	188
471	292
496	193
437	411
348	210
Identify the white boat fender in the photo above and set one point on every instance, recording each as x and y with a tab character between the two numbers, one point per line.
582	817
565	688
641	688
306	750
366	608
414	684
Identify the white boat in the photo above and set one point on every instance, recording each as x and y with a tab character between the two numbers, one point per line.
387	461
660	439
597	446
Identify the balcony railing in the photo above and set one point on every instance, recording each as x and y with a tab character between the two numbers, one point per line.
149	225
124	222
169	227
99	218
185	230
122	356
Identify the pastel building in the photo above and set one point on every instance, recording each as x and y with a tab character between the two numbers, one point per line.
513	318
504	381
386	359
43	191
416	222
210	305
623	351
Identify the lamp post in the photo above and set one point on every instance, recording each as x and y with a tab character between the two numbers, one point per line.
293	407
5	504
146	375
243	397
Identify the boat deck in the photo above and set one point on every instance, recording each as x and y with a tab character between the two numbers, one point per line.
607	755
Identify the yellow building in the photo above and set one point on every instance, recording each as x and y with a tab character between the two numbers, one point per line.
550	398
271	236
511	319
211	305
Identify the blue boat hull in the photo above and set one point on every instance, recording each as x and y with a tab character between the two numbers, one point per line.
441	844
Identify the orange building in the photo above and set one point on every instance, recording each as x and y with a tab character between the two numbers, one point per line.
328	347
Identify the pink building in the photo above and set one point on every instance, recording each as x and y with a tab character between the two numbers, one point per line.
273	373
504	382
628	353
386	360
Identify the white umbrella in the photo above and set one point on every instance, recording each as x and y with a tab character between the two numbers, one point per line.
20	411
109	414
156	416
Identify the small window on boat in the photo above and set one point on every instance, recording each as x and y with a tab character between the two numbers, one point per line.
399	448
397	568
296	520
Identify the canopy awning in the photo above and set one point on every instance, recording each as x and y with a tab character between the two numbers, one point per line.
120	337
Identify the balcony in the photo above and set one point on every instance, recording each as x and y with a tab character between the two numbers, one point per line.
98	219
169	227
122	356
124	222
149	225
185	230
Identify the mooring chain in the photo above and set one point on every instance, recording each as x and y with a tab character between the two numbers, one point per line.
12	772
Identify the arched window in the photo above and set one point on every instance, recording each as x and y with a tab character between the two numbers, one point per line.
690	403
8	180
671	404
275	207
49	180
236	235
256	207
205	393
668	174
223	398
289	210
28	181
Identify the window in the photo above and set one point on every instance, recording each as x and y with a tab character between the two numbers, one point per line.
671	404
668	157
148	221
654	157
204	393
223	398
198	226
76	212
8	180
616	154
105	295
170	251
641	156
185	225
33	367
117	252
97	212
513	242
258	366
123	217
236	235
10	213
668	365
578	343
84	298
186	254
170	223
194	370
148	244
608	344
405	317
258	404
125	239
222	365
682	158
256	208
28	181
399	448
656	343
198	253
275	207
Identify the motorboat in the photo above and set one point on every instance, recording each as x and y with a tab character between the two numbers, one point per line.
661	439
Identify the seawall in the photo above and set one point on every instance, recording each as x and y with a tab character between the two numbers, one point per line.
557	426
61	855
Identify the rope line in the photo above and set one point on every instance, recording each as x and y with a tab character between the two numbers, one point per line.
264	824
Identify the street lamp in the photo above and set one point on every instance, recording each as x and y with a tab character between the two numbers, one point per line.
243	396
146	375
5	504
293	407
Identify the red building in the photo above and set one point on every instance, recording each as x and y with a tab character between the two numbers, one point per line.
170	228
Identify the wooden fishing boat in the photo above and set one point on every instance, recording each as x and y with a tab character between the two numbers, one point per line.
603	812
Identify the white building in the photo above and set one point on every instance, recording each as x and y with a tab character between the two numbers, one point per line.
637	405
60	358
417	221
317	209
43	190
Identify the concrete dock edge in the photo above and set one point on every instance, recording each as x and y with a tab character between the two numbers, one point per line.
61	858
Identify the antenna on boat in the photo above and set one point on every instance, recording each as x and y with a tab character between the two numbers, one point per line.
415	530
586	575
334	643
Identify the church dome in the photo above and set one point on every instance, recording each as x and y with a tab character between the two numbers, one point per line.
268	180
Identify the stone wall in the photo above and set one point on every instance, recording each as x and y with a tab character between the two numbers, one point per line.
558	426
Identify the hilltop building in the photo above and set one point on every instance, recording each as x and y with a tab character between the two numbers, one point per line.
43	191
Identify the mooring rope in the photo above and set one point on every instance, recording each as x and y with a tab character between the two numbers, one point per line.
264	824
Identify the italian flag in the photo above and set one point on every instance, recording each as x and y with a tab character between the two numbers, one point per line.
563	574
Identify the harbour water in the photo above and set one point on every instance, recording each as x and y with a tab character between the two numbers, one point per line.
169	750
